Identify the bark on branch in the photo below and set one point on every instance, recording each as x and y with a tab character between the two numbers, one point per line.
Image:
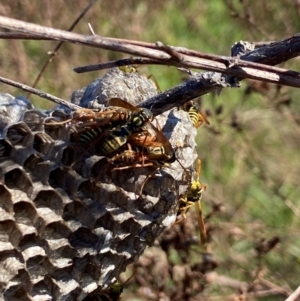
253	65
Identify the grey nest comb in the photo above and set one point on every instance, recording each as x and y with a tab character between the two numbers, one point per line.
69	230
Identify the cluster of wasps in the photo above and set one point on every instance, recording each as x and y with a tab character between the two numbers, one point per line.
192	196
124	134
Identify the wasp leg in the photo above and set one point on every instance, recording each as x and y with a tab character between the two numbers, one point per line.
53	122
147	178
132	166
201	224
182	212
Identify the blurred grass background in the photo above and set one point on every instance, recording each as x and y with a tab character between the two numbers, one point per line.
250	152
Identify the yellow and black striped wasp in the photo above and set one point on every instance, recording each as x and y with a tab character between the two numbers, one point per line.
154	144
128	68
192	196
134	68
107	131
139	155
103	132
119	136
193	109
146	147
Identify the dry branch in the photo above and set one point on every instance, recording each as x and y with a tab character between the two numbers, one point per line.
39	93
244	66
196	86
189	58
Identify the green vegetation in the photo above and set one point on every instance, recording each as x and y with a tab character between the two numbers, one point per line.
251	166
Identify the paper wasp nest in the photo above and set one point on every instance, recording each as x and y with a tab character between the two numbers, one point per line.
69	230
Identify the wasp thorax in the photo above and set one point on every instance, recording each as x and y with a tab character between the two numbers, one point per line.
145	115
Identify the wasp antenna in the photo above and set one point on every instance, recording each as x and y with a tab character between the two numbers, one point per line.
147	178
143	147
157	124
133	274
184	169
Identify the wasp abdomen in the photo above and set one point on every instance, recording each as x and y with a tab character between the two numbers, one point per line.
90	134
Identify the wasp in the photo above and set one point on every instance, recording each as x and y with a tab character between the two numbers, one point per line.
149	147
154	143
192	196
130	158
118	136
107	131
84	118
139	157
88	123
146	147
193	109
128	68
134	68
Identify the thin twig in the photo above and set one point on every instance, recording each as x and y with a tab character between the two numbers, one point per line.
272	285
247	296
294	295
40	93
54	52
118	63
91	29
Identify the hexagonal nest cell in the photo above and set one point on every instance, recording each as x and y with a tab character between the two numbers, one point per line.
68	229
